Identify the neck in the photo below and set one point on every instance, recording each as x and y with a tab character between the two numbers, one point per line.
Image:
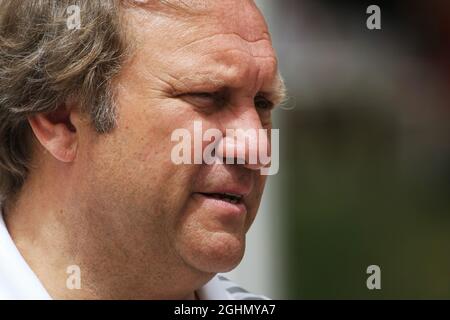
58	239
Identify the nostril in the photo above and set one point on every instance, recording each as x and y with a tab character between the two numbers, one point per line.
250	148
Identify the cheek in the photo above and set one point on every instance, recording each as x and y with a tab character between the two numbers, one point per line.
130	176
143	137
260	183
145	158
255	200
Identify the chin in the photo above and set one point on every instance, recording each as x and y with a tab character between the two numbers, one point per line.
212	252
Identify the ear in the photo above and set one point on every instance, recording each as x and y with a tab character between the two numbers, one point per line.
57	132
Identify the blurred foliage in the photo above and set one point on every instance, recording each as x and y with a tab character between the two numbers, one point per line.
353	202
365	143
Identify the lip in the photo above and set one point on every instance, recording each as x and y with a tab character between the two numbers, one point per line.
238	190
221	206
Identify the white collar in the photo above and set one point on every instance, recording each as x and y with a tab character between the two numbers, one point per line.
17	280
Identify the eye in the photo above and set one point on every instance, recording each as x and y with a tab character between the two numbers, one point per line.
263	103
203	95
204	99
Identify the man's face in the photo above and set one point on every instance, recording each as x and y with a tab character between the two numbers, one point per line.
206	68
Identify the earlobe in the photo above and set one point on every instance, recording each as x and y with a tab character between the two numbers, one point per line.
56	133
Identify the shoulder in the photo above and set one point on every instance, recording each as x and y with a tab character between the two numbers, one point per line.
221	288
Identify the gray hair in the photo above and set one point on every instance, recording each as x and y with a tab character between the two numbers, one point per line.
43	64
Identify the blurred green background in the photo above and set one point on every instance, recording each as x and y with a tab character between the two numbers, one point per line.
365	149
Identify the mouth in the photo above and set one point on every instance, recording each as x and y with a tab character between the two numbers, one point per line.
225	204
227	197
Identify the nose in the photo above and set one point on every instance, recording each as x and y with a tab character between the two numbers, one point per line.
245	141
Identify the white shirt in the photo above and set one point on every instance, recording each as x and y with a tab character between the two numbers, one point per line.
19	282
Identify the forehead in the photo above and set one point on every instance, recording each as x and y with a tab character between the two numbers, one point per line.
242	13
196	18
218	41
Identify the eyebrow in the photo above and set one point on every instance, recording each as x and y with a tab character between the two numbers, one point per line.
277	92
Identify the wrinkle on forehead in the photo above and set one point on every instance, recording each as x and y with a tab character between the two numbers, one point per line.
232	39
241	14
226	57
185	8
260	47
